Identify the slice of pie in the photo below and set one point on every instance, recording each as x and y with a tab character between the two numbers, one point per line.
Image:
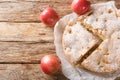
77	41
105	59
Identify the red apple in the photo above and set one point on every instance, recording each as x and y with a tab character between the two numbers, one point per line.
80	6
49	17
50	64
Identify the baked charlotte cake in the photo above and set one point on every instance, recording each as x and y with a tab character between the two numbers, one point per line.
81	38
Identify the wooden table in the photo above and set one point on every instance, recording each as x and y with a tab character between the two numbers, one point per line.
24	39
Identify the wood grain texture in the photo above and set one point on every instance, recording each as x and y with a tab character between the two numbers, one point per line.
25	72
29	32
25	42
29	11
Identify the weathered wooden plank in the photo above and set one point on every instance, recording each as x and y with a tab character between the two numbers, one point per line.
15	52
29	11
42	1
32	32
25	72
25	42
